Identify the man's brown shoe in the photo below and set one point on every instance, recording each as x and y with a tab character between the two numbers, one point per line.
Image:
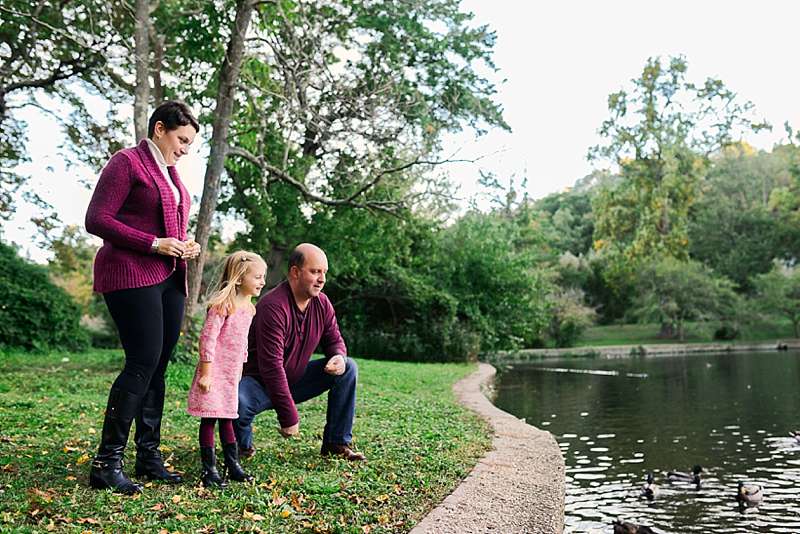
247	453
343	451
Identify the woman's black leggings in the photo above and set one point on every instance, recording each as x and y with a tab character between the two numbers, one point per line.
149	323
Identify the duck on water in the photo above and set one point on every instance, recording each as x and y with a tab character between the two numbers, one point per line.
686	478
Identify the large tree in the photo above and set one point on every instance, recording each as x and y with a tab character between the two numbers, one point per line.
660	134
337	99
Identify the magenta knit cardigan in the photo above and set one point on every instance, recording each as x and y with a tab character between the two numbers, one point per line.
132	205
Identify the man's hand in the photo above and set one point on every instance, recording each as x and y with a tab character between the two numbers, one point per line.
290	431
335	365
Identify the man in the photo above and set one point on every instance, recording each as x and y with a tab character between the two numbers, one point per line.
290	322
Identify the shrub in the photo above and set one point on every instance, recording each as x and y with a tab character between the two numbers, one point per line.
36	314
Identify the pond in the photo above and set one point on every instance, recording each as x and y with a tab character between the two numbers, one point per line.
616	419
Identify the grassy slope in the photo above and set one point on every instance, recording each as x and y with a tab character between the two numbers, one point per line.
643	334
418	441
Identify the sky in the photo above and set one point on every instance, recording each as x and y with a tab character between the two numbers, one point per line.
557	63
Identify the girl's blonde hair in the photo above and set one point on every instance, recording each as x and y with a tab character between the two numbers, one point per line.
234	268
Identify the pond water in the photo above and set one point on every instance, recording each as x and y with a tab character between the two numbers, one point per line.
616	419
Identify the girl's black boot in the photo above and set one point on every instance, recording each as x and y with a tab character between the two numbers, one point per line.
210	476
232	465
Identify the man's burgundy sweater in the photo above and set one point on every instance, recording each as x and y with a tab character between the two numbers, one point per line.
131	206
281	341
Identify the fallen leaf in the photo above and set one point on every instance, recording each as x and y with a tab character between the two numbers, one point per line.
82	459
382	498
157	507
180	517
176	499
247	514
258	517
88	520
285	514
366	529
9	468
92	431
70	478
67	448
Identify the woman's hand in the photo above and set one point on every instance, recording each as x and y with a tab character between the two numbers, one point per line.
192	250
169	246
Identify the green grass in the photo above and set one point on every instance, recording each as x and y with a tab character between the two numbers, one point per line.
419	443
646	334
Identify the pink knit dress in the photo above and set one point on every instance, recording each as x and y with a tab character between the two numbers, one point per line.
223	342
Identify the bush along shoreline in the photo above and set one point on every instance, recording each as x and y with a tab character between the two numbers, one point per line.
419	443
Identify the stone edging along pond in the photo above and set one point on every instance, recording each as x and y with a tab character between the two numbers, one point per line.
518	487
641	350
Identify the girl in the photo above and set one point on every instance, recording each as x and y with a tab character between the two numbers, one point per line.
223	349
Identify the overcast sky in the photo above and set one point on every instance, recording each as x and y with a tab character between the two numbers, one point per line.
558	62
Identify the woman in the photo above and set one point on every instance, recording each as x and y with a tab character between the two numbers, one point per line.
141	209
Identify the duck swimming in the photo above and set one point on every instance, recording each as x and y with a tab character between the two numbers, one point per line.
693	477
623	527
749	495
649	489
795	434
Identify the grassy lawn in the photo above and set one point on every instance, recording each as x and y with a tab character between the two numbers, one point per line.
645	334
418	441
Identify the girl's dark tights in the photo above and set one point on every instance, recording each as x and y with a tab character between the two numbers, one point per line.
226	434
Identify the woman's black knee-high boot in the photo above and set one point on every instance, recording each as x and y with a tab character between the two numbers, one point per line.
148	438
106	471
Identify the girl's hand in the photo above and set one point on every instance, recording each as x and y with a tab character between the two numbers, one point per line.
204	383
169	246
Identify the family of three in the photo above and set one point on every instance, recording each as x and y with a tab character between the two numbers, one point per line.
251	358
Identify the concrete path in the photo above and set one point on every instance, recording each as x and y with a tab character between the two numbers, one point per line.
518	487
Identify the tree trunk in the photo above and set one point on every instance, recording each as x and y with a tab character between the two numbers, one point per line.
275	259
228	77
667	331
141	94
158	63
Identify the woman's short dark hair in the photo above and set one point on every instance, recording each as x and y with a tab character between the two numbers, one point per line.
173	114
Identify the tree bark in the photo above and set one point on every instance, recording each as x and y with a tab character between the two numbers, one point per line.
141	94
158	64
228	77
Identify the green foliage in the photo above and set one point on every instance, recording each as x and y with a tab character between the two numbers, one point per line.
778	293
419	443
570	317
732	228
35	314
674	292
660	134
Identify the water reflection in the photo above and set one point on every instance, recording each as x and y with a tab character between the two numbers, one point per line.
617	419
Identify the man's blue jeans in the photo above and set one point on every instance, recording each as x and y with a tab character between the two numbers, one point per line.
254	399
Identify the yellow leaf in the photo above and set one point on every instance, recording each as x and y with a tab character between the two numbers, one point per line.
247	515
382	498
92	431
176	499
82	459
70	478
180	517
285	514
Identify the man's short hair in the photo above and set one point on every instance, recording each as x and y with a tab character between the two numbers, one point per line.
296	258
173	114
